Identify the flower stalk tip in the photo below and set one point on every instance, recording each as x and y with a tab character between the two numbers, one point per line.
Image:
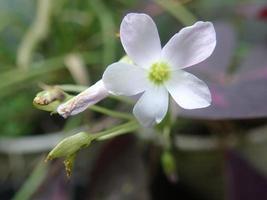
69	163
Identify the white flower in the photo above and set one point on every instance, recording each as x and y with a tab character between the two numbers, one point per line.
158	71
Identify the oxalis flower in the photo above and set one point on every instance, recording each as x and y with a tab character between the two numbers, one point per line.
157	71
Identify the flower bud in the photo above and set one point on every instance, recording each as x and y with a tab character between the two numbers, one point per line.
68	149
50	99
70	145
79	103
169	166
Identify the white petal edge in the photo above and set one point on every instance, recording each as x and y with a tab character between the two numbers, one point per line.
188	91
125	79
152	106
190	46
82	101
140	39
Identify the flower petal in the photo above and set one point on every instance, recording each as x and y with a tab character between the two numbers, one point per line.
140	39
190	46
152	106
125	79
188	91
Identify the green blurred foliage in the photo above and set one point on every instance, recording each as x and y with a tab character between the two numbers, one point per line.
84	27
15	116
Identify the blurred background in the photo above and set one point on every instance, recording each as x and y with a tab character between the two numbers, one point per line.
216	153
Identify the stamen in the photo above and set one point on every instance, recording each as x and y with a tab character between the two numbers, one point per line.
159	73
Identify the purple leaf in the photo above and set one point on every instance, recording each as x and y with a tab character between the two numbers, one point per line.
214	68
244	181
240	95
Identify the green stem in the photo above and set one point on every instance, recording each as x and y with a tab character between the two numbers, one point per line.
33	182
122	99
167	136
179	11
116	131
72	88
111	113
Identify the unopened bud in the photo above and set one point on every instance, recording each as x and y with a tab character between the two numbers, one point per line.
50	98
169	166
70	145
79	103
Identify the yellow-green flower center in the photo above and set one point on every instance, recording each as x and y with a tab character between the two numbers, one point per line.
159	73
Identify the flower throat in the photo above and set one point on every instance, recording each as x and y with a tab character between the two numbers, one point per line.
159	73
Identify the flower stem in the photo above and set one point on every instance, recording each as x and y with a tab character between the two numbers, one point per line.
116	131
167	136
111	113
179	11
